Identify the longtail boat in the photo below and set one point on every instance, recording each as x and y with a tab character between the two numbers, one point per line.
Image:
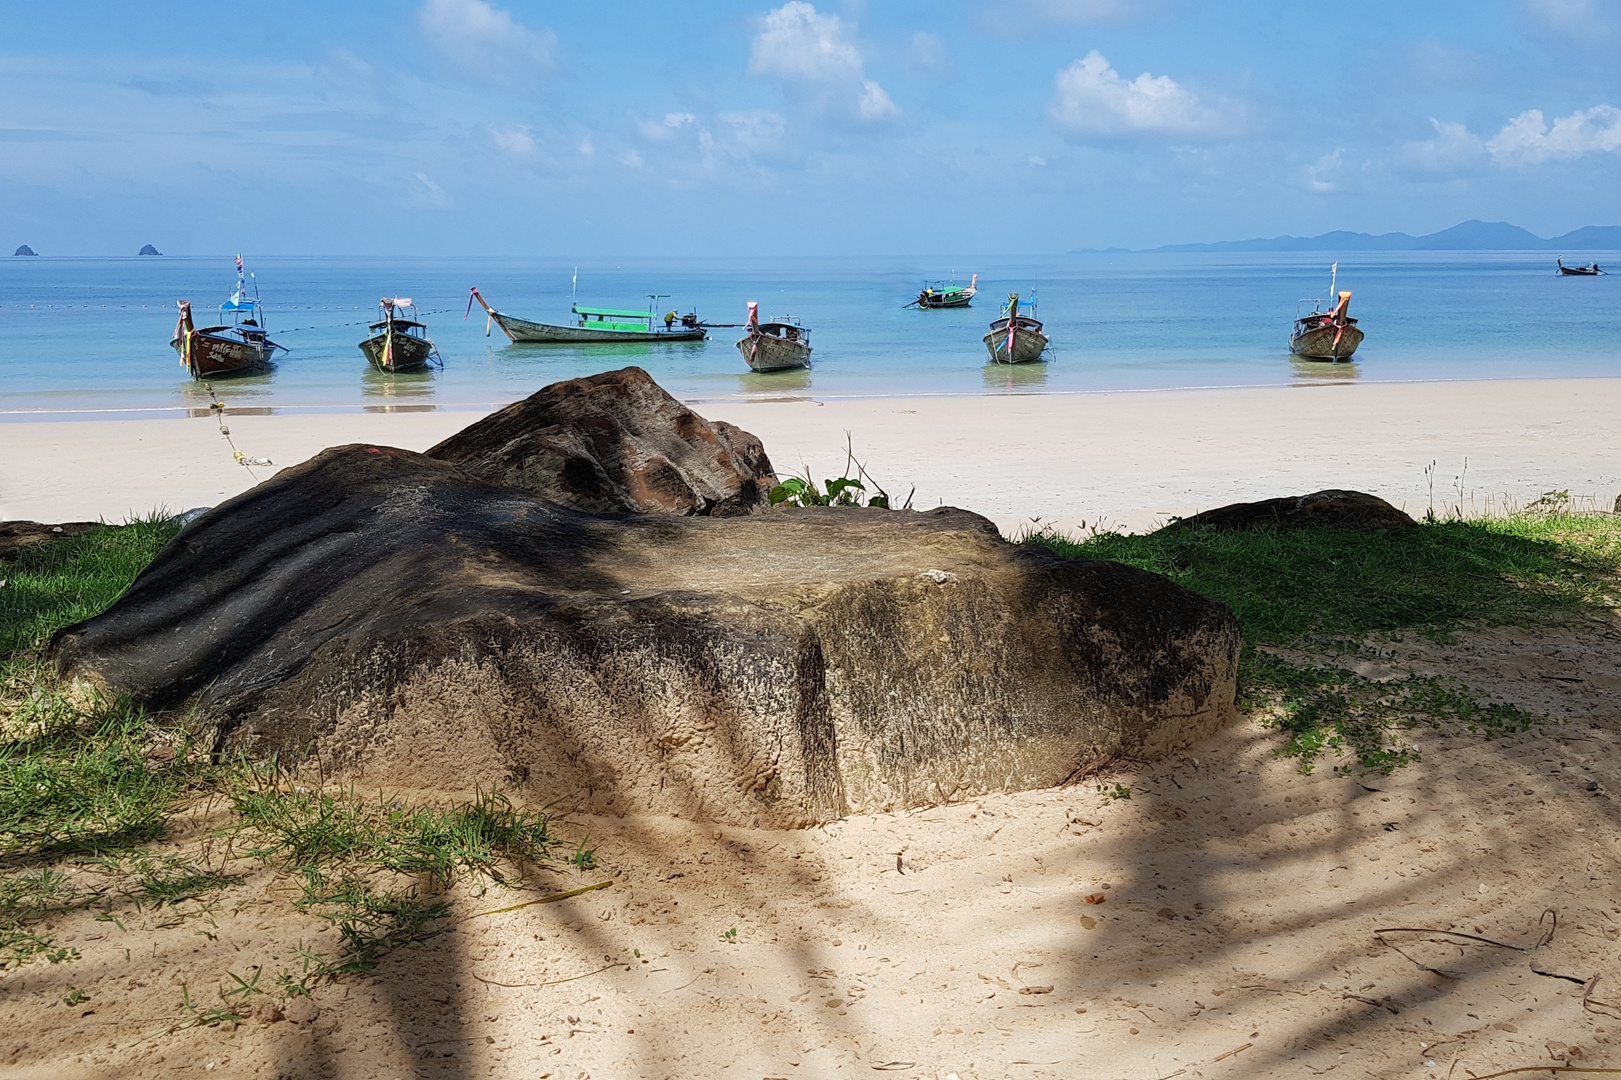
1590	270
778	345
1326	335
1016	338
241	346
595	325
399	343
941	295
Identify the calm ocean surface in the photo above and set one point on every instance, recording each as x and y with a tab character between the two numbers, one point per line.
89	336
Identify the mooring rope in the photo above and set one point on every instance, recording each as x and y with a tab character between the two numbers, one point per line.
217	407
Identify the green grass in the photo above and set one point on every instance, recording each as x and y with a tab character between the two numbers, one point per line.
87	784
1304	588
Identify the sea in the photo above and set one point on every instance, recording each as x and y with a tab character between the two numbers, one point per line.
88	338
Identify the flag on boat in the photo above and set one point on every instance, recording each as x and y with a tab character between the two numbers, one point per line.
239	264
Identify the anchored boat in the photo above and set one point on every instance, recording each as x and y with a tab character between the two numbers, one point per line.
941	295
241	346
399	343
595	325
1016	338
1590	270
1326	335
774	346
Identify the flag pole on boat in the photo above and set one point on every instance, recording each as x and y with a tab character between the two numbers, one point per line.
574	290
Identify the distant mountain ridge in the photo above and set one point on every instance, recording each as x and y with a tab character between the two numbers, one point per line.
1469	236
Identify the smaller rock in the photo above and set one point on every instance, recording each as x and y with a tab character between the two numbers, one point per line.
149	250
302	1010
19	534
1332	507
24	250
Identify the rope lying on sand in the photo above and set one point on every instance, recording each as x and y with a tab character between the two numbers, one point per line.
217	407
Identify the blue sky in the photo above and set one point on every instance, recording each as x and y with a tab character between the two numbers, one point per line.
1009	126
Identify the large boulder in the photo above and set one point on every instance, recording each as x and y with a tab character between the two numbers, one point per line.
418	627
615	442
1333	507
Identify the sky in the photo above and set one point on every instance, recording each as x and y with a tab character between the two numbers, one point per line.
516	127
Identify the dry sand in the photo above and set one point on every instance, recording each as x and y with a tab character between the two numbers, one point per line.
1122	459
1241	898
1241	901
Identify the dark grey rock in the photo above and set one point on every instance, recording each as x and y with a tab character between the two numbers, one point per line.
1353	509
416	626
615	442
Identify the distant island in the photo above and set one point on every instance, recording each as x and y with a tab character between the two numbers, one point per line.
24	250
149	250
1469	236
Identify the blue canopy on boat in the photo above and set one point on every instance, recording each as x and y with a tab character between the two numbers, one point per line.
239	303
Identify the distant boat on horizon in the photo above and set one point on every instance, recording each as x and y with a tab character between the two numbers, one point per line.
399	343
1015	338
1591	270
1326	335
941	295
239	347
595	325
779	345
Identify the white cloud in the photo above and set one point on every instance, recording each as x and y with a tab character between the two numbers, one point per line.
809	51
666	130
1037	162
1566	16
429	192
631	159
927	56
1322	174
1528	140
874	103
1093	99
1454	149
752	131
487	42
516	141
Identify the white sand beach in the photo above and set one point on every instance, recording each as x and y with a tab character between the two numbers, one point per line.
1126	459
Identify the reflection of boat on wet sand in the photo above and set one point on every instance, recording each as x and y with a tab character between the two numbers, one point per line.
941	295
595	325
240	347
1016	338
779	345
1590	270
1326	335
398	343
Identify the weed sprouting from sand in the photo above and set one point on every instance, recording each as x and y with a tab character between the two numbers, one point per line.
850	488
1302	587
376	870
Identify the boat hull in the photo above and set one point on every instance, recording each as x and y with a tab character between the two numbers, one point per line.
408	353
1319	343
1579	271
212	353
949	300
534	333
762	352
1028	346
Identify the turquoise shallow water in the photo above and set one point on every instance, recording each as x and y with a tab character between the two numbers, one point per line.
89	336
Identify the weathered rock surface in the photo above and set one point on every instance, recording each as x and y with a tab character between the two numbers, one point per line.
427	629
615	442
1353	509
15	535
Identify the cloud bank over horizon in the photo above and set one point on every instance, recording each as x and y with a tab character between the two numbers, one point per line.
511	126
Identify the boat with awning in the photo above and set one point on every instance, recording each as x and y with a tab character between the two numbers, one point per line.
594	325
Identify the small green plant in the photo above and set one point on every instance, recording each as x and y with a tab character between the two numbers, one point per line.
1119	791
730	936
849	489
75	996
200	1017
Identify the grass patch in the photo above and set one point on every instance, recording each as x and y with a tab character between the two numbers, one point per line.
87	784
1306	586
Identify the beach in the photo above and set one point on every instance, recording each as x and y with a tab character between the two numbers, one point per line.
1124	460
